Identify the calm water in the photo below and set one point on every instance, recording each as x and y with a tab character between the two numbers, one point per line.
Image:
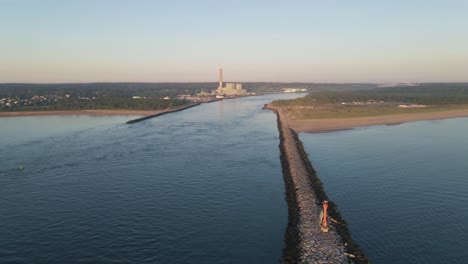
402	189
199	186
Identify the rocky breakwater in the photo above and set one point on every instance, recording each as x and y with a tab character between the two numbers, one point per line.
304	239
167	111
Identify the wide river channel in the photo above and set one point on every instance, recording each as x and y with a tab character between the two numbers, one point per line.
199	186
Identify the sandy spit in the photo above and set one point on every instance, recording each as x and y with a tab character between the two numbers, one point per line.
328	125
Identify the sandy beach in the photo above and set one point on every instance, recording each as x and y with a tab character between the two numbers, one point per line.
328	125
81	112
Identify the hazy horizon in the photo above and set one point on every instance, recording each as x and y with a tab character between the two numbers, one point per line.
227	81
255	41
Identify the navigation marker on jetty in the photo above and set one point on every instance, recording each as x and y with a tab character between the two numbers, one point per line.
324	218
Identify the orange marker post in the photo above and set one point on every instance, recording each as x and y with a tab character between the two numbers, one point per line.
324	224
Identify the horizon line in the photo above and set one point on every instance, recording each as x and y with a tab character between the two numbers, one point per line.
110	82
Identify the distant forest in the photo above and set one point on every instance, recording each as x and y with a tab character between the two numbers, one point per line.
104	96
103	89
156	89
79	96
428	94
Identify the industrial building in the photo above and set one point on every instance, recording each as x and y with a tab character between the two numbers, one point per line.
230	89
294	90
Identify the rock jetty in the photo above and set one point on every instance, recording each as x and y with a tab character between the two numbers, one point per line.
168	111
304	240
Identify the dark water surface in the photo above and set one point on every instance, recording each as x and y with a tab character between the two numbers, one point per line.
198	186
402	189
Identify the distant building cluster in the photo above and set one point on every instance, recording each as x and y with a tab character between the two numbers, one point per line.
294	90
12	102
363	102
145	97
398	84
412	106
230	89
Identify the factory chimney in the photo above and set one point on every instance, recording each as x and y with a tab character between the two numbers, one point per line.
220	78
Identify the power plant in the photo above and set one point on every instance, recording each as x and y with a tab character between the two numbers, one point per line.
230	89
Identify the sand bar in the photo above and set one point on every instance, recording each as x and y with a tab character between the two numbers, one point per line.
336	124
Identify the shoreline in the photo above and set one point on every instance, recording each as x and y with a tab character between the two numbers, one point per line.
304	241
81	112
99	112
338	124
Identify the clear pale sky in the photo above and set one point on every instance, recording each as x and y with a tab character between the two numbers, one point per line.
187	41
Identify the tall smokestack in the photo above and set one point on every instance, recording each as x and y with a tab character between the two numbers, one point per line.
220	78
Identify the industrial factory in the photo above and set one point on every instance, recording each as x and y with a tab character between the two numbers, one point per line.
230	89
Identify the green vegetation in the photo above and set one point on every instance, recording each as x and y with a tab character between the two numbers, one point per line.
264	87
379	101
156	89
53	103
154	96
430	94
151	96
104	89
363	111
105	96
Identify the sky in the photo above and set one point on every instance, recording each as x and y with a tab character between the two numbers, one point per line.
45	41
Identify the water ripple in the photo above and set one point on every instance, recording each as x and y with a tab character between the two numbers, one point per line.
402	194
198	186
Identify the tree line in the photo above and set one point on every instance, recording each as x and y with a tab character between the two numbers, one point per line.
428	94
26	90
104	103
